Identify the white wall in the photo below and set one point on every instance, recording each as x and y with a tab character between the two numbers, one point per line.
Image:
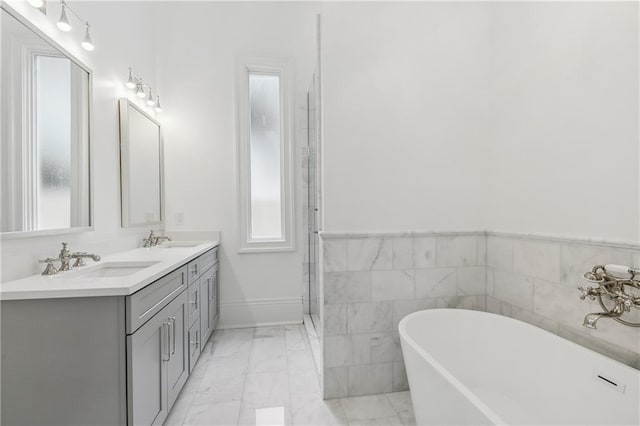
564	110
198	44
123	36
515	116
405	115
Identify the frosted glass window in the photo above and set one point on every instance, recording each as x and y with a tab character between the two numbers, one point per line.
53	141
265	156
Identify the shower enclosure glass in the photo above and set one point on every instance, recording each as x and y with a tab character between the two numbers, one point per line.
311	201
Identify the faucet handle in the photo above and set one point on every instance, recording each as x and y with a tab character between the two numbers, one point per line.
50	269
79	256
587	293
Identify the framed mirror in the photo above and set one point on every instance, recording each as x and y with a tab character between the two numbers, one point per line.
141	170
45	110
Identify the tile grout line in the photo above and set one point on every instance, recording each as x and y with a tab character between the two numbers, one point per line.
245	374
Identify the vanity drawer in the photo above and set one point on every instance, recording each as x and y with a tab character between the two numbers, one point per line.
194	345
195	300
201	264
145	303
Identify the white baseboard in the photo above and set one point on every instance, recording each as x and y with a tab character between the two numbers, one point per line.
260	312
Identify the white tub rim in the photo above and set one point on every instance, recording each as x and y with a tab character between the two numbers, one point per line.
463	389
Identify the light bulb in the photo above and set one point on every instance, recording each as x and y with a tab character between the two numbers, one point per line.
150	101
63	22
158	106
87	43
36	3
140	90
131	84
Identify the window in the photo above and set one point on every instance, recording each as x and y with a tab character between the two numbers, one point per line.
264	147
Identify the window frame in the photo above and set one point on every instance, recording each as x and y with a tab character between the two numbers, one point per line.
281	67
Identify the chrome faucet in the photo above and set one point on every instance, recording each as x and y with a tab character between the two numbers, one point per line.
591	319
80	256
153	239
65	257
613	282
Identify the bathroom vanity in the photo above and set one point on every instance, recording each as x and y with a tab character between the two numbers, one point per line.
111	343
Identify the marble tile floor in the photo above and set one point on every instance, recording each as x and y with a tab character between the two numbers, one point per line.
265	376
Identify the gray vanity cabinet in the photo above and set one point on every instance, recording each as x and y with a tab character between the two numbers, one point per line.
205	290
209	307
178	363
148	351
158	363
113	360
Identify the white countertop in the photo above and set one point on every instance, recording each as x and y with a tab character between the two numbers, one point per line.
72	284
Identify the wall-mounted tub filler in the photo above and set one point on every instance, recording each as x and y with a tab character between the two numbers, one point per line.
613	282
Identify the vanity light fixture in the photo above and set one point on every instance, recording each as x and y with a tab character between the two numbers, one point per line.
150	100
131	84
135	82
65	25
87	44
140	90
63	22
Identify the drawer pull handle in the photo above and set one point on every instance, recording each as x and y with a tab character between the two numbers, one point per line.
168	327
173	335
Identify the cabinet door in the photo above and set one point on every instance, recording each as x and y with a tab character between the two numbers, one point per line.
205	319
213	299
177	316
194	345
195	300
147	355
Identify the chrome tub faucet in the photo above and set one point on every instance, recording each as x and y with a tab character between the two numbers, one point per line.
613	284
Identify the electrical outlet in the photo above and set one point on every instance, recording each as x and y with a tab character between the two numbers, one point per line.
179	219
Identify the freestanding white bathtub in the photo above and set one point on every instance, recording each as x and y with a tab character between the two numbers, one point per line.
476	368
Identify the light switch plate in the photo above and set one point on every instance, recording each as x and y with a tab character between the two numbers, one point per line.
179	219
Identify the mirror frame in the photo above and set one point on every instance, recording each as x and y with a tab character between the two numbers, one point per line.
78	229
125	105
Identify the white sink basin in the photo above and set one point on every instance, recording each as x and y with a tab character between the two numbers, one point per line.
108	270
179	244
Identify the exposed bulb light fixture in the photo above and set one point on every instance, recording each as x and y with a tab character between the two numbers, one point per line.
131	84
87	44
150	100
36	3
135	82
63	22
140	90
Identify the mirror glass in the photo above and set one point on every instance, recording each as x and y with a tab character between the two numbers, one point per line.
45	134
141	166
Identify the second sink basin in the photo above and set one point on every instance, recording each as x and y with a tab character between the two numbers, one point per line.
179	244
109	270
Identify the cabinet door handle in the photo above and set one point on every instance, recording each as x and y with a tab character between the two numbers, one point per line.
212	287
168	326
196	301
173	335
197	338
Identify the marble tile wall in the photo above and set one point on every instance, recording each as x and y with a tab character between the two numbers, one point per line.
370	282
535	280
